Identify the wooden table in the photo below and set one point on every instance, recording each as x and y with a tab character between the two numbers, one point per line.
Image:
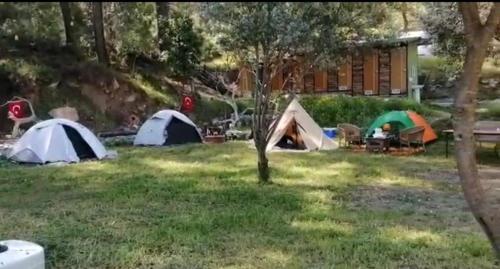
491	135
377	144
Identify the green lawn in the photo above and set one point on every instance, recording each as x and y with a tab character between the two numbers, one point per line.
199	206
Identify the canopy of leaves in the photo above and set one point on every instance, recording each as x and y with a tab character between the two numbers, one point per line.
184	45
135	28
39	20
443	21
268	31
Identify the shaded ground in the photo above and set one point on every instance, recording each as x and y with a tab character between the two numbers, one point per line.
200	207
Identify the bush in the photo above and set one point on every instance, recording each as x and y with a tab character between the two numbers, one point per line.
492	111
207	110
435	70
361	111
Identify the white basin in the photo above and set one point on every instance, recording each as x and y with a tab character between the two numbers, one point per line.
21	255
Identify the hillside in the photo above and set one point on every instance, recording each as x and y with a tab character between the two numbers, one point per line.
105	98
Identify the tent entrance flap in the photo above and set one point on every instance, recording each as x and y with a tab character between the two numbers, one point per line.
179	132
292	139
82	148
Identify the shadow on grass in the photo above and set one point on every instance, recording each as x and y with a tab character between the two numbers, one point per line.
200	207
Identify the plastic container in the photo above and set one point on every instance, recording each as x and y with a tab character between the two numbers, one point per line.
17	254
330	132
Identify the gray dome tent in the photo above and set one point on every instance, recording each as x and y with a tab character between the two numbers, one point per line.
167	127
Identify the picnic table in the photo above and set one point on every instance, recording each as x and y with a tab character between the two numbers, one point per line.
481	135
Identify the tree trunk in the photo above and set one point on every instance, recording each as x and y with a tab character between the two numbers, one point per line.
260	127
162	13
68	23
100	43
478	37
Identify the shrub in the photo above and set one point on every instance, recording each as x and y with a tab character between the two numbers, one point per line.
436	70
207	110
330	111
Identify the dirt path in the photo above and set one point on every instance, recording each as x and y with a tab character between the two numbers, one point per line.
490	177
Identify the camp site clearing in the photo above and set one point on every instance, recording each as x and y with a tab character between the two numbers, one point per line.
198	206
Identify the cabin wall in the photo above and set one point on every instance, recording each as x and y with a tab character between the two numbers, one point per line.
370	71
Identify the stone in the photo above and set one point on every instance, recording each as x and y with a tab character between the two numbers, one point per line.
492	82
131	98
115	85
69	113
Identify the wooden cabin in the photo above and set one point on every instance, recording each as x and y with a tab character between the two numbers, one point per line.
382	68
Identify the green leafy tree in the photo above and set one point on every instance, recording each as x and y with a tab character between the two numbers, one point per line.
183	46
444	23
37	21
134	30
263	34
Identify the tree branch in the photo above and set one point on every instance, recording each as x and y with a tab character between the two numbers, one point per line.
492	23
472	23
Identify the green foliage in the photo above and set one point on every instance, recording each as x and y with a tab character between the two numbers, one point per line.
207	110
492	111
273	29
361	111
26	69
443	21
184	45
32	21
135	29
436	69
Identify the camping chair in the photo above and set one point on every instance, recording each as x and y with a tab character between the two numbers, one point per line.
411	135
350	133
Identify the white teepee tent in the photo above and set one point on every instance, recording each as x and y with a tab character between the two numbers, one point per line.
297	125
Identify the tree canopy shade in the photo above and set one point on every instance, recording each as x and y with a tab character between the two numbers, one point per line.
443	21
264	33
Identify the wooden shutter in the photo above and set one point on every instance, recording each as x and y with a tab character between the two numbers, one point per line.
345	75
357	74
370	73
398	70
384	63
332	79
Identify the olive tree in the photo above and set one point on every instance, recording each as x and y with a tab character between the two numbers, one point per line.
478	35
267	32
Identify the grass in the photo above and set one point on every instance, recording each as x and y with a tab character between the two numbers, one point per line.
150	90
199	206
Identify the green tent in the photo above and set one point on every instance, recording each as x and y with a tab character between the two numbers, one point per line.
397	119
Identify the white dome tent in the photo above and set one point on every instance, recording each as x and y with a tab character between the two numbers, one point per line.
167	127
57	140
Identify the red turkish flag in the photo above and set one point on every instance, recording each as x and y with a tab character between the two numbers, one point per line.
187	103
18	109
